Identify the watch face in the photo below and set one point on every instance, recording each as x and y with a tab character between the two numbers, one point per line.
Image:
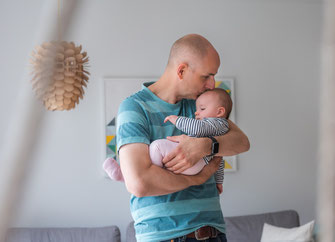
215	148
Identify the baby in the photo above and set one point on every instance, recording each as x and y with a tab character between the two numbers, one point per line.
212	111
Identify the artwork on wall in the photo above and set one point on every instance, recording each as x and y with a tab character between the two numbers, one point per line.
117	89
228	85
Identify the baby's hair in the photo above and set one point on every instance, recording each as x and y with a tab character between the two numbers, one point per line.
224	99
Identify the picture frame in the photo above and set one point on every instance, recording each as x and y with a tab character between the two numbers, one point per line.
116	89
227	83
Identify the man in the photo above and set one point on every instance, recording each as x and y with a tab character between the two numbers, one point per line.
165	204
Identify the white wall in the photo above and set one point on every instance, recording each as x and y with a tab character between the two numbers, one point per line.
270	47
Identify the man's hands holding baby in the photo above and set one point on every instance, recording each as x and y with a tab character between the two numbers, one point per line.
189	151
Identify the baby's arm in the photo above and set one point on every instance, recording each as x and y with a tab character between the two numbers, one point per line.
202	128
219	176
171	118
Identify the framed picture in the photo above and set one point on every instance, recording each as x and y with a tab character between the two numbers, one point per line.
117	89
228	84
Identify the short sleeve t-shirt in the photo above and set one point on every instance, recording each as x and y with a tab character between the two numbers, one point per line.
141	120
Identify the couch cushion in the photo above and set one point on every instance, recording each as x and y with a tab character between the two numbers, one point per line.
303	233
249	228
103	234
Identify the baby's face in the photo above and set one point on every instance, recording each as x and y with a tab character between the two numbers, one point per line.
207	106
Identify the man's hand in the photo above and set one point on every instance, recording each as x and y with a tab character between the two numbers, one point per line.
171	118
189	151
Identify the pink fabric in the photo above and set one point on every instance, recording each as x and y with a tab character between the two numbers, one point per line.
113	170
161	147
158	150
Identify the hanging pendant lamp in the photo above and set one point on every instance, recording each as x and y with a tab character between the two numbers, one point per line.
59	73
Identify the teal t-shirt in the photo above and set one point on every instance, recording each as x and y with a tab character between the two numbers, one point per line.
141	120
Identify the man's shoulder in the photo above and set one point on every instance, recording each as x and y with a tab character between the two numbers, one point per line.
134	101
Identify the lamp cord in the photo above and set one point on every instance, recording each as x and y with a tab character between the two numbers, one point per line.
59	22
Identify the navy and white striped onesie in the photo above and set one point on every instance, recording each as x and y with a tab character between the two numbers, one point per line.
204	128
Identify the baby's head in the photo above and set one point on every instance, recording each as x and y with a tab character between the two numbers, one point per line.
215	103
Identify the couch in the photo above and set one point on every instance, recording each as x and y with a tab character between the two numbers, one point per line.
102	234
239	229
246	228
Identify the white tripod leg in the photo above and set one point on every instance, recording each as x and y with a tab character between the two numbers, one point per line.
23	130
326	185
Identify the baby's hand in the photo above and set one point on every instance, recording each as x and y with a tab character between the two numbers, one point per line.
219	187
171	118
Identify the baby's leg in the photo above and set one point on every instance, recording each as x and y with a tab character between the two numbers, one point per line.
161	147
195	169
113	169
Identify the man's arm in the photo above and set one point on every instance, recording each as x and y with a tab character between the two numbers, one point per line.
232	143
142	178
190	150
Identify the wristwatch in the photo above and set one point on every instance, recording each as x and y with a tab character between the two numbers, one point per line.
215	145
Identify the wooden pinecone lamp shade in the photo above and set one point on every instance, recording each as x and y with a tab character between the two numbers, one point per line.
59	74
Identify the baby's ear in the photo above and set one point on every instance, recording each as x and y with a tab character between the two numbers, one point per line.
221	112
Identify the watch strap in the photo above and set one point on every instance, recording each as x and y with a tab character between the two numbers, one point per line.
215	145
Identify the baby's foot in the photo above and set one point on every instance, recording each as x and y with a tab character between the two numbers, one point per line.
219	186
113	169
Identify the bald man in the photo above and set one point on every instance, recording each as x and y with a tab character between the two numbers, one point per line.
165	205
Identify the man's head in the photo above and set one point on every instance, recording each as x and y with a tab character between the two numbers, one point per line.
214	103
194	62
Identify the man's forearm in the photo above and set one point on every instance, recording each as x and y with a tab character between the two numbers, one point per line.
236	145
142	178
156	181
234	142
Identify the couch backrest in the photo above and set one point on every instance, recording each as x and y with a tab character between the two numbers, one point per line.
247	228
130	234
102	234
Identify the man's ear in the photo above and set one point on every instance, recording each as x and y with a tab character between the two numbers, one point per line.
221	112
181	70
